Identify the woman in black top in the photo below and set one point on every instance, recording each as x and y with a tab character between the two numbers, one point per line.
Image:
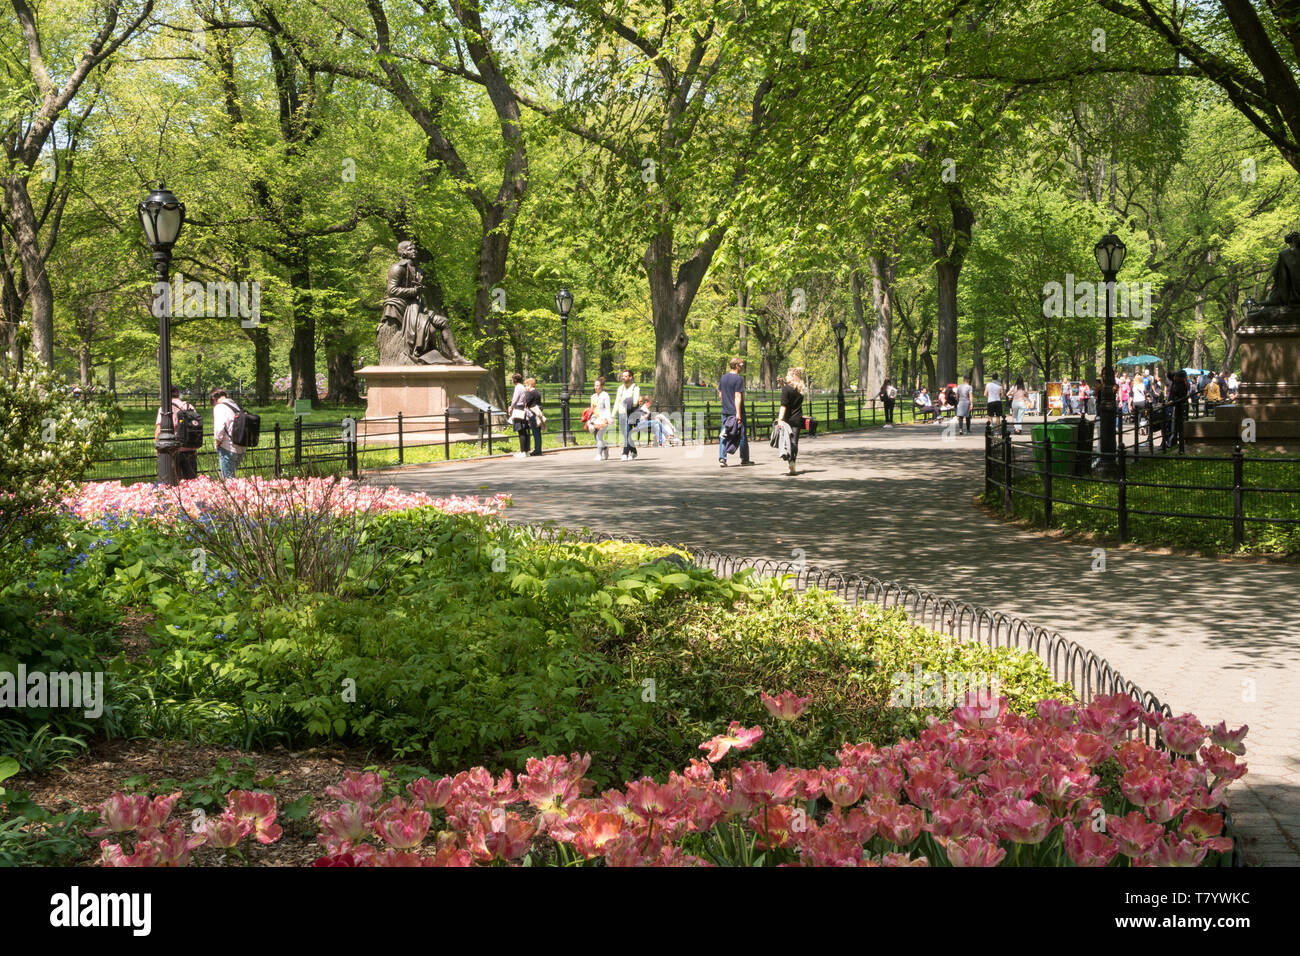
533	403
792	393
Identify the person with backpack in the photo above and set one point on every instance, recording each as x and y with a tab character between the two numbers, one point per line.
187	426
225	414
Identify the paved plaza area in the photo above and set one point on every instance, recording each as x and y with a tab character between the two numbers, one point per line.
1218	638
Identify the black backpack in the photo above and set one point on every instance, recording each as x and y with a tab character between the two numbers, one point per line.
246	429
189	428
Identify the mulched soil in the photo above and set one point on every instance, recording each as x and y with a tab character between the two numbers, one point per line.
87	781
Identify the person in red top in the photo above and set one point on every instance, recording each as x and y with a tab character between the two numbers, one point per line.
187	459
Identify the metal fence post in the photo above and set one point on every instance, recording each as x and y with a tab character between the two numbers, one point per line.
446	434
277	449
1122	490
1238	510
401	452
297	441
1047	478
489	430
1006	468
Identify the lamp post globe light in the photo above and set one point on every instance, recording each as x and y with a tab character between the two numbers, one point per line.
1006	368
841	330
563	303
162	216
1110	252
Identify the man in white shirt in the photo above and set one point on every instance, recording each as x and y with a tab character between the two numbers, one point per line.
223	417
627	389
993	395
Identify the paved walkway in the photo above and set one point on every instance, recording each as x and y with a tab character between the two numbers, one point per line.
1220	639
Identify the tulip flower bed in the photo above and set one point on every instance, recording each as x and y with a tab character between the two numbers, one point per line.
266	496
1063	787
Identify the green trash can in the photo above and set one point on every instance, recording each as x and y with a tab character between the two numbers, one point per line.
1063	450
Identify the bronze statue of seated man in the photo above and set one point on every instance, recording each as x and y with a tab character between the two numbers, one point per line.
409	333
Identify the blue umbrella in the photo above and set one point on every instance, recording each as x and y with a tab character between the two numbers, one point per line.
1140	360
1197	371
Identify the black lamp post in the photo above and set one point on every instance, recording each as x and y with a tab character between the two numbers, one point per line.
563	303
1006	369
841	330
162	216
1110	253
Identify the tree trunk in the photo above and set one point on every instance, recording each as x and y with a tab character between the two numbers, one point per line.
261	340
302	354
883	270
83	363
949	257
670	333
977	362
22	221
578	366
606	357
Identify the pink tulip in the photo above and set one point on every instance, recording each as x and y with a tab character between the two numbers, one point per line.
430	795
1023	822
842	787
899	824
349	823
259	810
1174	852
1183	735
402	827
1198	825
736	738
1056	713
974	851
1143	787
1229	740
121	812
1086	847
785	705
1133	834
146	854
225	831
358	787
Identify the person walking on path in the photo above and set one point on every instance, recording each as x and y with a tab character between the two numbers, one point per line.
791	414
533	405
626	399
599	421
993	395
1019	399
223	417
1139	396
731	437
187	458
1178	396
519	414
888	395
965	399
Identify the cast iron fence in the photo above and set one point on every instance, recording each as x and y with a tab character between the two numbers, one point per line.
333	445
1246	493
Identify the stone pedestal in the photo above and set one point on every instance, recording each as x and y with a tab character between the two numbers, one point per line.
1268	389
422	394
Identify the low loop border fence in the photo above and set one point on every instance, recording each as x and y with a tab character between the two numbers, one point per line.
1070	662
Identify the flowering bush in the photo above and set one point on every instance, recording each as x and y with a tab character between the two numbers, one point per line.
979	790
48	436
159	841
269	496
